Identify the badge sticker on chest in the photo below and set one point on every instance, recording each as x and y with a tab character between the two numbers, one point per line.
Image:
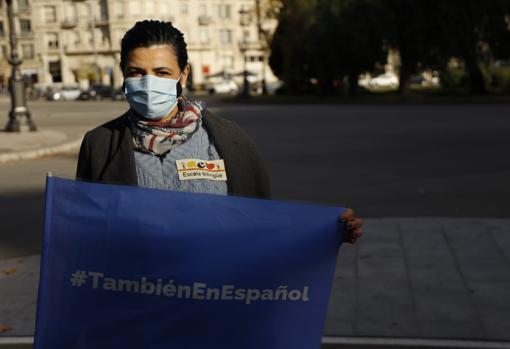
201	169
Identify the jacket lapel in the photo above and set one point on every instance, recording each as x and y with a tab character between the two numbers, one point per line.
227	146
121	168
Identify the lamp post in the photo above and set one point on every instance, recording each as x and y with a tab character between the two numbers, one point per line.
243	47
19	116
262	39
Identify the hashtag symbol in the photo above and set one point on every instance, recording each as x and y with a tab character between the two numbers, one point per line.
78	278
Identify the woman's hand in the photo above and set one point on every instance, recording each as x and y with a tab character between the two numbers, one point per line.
352	226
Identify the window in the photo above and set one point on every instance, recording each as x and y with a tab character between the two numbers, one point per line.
227	61
52	40
255	59
202	10
91	36
23	5
28	51
25	26
105	36
3	53
103	10
50	14
55	71
119	9
204	36
75	38
84	10
119	33
224	11
2	33
70	13
184	9
225	36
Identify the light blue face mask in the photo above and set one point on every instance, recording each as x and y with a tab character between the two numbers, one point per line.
150	96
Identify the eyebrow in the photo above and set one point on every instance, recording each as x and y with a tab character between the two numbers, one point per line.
164	68
135	68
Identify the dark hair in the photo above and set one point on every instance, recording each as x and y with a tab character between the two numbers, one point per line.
151	32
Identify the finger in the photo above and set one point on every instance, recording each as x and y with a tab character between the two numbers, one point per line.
358	233
347	214
354	223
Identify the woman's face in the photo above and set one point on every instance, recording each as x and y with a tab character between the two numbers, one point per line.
157	60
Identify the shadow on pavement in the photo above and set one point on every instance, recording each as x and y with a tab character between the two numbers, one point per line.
21	220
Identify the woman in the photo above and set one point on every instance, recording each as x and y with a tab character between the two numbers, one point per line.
164	136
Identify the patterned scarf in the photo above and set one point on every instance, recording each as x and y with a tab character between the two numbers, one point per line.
158	137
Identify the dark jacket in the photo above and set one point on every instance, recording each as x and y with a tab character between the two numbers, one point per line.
107	156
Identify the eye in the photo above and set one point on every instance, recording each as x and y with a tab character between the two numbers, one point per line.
134	74
163	73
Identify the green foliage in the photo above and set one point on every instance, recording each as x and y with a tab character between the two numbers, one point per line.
333	41
454	78
497	78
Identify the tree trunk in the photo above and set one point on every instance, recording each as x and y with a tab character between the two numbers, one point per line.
326	87
476	81
353	84
403	78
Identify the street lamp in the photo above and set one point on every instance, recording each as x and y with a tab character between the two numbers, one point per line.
243	47
19	115
262	39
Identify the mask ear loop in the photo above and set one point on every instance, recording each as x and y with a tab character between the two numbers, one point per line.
180	87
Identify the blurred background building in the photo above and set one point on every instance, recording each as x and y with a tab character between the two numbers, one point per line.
77	42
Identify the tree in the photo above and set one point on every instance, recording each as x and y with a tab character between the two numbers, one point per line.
290	51
416	32
472	25
327	40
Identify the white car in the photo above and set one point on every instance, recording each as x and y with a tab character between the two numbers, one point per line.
67	93
224	87
384	80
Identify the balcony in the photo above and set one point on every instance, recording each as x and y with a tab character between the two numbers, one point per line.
53	46
84	49
22	10
250	45
26	35
69	23
204	20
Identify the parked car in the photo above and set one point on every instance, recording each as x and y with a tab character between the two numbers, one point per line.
67	93
384	80
223	87
97	92
118	95
89	94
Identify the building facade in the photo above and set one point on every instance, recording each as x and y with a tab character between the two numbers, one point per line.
26	42
77	42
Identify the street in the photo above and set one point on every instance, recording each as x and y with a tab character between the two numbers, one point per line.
430	182
381	160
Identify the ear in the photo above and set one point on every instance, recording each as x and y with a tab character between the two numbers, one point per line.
185	74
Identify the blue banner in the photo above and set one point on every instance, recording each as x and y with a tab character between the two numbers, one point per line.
126	267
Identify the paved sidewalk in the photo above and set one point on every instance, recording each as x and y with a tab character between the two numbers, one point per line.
60	128
31	145
446	278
